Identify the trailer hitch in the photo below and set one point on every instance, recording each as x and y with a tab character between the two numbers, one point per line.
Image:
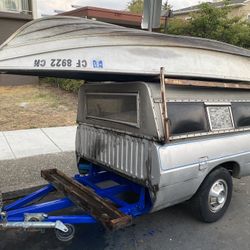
35	225
32	221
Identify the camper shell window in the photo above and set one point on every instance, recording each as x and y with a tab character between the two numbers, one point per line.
241	114
187	117
115	107
220	117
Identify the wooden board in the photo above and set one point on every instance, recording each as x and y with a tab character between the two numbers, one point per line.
179	82
103	211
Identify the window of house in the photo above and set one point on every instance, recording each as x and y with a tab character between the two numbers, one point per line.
187	117
10	5
25	5
220	117
241	114
15	5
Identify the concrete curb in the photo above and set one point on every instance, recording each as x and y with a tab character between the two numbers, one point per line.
12	195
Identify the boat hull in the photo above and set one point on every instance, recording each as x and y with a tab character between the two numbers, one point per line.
113	56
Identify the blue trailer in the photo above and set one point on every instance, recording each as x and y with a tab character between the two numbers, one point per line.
99	193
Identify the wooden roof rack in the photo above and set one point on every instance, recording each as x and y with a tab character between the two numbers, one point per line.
195	83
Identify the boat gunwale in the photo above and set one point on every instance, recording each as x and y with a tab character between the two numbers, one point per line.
136	73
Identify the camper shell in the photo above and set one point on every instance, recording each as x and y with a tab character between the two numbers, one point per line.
121	127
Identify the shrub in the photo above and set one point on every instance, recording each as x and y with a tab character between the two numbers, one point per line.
70	85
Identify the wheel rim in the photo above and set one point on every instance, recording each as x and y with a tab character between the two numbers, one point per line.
217	195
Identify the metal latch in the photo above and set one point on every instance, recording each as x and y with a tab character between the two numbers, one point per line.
203	163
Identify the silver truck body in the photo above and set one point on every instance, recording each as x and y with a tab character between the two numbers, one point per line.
172	171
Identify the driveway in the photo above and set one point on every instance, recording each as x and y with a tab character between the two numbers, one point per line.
171	228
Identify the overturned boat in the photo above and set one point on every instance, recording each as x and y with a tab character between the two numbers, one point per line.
71	47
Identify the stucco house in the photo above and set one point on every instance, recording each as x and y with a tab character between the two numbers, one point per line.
238	8
13	15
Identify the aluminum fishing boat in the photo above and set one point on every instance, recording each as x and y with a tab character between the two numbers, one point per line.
72	47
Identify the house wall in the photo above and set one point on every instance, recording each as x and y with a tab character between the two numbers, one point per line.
243	11
10	22
183	16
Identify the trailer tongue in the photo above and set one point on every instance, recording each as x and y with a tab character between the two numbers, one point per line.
104	204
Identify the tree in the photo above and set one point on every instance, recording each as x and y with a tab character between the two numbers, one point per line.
166	6
136	6
213	23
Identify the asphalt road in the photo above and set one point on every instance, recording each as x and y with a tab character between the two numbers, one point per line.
19	174
171	228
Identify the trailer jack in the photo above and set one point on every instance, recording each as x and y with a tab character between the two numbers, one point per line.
64	232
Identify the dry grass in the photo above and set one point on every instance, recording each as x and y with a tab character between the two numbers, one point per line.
34	106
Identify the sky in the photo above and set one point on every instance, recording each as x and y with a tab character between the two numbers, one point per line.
48	6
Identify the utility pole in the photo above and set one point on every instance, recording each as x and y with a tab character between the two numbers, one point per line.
34	9
151	15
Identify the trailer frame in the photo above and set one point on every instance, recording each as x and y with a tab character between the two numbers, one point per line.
23	214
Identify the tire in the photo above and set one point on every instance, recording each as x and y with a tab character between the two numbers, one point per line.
68	236
214	196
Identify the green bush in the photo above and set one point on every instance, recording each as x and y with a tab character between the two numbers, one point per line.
70	85
213	23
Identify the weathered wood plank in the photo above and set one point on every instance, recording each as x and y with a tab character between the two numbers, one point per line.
102	210
181	82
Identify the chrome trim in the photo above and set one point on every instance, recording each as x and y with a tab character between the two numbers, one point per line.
217	196
217	132
217	103
228	102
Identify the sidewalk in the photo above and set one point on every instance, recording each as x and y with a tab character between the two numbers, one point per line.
26	143
24	153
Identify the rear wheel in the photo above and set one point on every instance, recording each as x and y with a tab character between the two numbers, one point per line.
213	197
